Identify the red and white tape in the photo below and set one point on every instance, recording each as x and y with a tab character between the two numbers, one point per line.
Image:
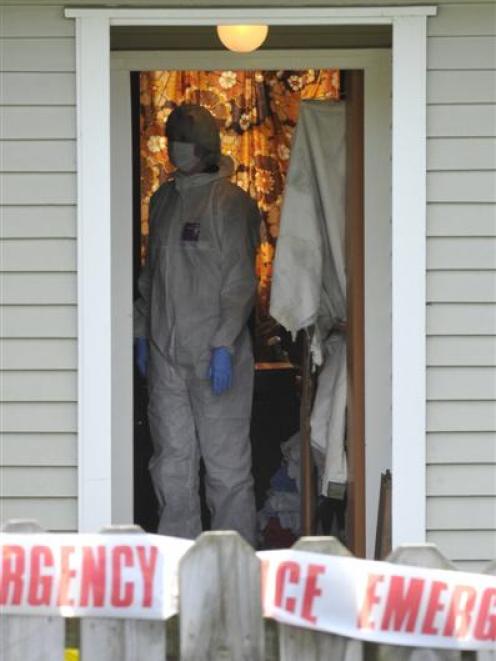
132	576
136	577
380	602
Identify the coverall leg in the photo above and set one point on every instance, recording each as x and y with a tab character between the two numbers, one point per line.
223	424
174	466
186	417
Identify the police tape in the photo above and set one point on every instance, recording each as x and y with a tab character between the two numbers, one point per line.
130	576
117	575
380	602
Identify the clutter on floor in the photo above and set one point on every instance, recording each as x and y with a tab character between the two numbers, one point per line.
279	521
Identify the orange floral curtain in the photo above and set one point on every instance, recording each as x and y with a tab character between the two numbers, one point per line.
257	112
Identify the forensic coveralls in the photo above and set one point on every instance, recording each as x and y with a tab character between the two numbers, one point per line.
197	291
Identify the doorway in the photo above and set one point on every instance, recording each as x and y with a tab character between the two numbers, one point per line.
376	67
257	114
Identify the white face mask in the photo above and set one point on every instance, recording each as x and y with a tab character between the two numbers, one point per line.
182	155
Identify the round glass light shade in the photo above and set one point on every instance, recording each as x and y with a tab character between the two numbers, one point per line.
242	38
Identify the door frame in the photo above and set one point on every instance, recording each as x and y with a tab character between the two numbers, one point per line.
97	411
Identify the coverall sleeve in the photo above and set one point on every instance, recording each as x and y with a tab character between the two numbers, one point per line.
239	283
141	308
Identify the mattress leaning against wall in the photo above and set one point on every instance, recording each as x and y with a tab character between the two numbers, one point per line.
38	350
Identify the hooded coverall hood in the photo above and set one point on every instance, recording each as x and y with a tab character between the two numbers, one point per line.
194	124
184	181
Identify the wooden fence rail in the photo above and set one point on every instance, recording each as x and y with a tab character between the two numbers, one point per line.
220	616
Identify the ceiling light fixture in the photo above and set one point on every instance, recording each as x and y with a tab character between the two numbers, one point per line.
242	38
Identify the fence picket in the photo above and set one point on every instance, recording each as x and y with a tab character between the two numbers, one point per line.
297	644
30	638
219	600
417	555
107	639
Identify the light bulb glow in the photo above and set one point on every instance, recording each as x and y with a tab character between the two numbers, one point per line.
242	38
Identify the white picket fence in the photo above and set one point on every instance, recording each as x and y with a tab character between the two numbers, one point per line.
220	616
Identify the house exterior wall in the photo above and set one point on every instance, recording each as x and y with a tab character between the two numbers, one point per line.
38	450
38	454
461	282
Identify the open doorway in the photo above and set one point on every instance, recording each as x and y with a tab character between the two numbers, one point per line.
265	103
376	68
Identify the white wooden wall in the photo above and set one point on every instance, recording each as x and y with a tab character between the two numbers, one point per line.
461	283
38	280
38	454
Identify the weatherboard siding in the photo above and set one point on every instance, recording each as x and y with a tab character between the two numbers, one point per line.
461	283
38	378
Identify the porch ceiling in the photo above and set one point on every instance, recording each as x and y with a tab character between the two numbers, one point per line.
280	37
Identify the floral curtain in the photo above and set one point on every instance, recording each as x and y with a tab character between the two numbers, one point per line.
257	112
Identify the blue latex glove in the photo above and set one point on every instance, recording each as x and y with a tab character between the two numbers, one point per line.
221	370
142	352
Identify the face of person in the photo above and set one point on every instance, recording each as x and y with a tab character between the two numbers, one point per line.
184	155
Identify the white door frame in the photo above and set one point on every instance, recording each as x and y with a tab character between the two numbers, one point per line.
96	413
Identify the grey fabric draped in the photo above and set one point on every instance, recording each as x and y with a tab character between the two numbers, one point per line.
309	279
